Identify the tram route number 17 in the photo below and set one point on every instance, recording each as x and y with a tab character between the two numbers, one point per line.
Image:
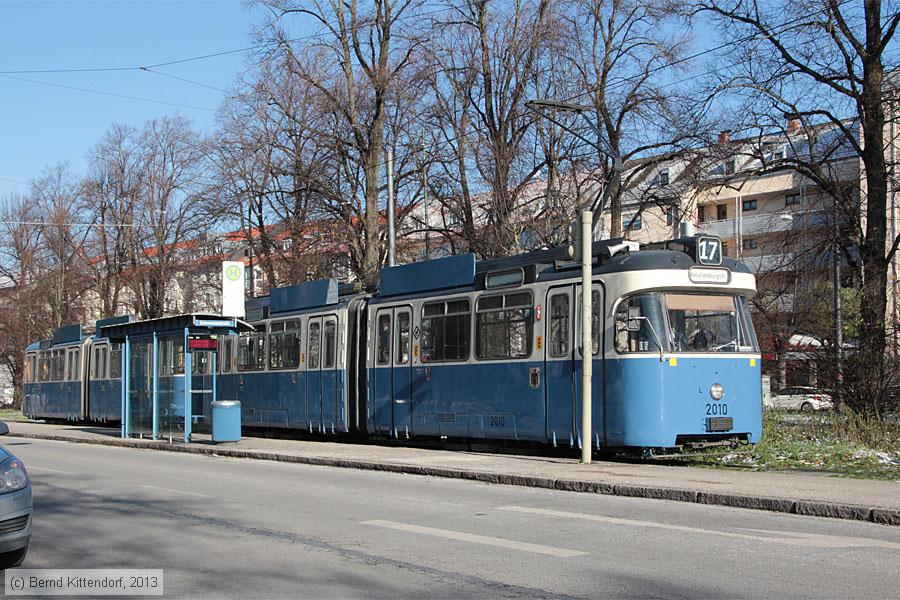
709	250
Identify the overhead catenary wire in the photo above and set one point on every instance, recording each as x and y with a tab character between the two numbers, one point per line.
106	93
55	224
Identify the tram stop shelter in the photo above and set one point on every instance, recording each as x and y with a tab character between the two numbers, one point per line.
169	372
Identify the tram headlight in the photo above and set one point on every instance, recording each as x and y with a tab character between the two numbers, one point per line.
716	391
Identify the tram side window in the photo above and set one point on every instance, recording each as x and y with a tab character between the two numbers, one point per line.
104	356
595	322
252	352
504	325
445	330
223	360
31	369
171	355
96	371
57	365
284	345
559	325
75	365
403	338
329	344
44	363
315	337
652	324
384	339
70	366
115	361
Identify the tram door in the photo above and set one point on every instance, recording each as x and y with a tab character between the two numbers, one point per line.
559	364
329	374
393	372
314	374
597	325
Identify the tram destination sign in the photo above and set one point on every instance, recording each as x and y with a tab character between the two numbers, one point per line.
714	275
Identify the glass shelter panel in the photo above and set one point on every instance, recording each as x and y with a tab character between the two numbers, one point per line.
141	389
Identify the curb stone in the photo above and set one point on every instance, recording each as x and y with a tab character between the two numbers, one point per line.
812	508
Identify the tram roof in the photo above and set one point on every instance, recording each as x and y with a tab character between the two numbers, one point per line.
609	256
195	322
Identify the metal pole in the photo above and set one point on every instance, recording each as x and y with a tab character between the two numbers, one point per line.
392	249
155	386
587	353
425	201
838	325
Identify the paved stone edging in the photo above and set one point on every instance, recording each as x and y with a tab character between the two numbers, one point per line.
812	508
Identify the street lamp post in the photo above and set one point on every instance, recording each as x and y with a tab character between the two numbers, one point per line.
584	247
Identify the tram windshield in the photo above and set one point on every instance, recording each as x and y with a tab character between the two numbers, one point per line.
684	322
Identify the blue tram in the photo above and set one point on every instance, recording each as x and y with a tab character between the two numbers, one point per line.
74	377
454	348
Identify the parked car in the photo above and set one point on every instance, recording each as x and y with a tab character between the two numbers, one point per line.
15	507
800	398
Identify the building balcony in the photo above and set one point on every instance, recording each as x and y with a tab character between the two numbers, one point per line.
765	223
771	263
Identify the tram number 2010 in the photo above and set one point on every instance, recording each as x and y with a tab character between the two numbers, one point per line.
715	409
498	421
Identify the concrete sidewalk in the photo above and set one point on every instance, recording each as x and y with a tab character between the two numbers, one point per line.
810	494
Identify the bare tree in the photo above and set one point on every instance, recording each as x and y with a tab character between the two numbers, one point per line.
63	231
371	50
167	217
24	315
111	190
823	62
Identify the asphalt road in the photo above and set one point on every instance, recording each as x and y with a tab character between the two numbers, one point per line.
233	528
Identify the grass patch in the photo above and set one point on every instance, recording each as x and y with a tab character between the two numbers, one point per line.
839	442
12	414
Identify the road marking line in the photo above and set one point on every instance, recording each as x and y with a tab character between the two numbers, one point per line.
162	489
784	537
36	468
477	539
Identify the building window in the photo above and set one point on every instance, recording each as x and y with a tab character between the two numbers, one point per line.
504	325
721	212
287	244
701	214
749	244
792	200
729	167
670	215
664	178
749	205
632	222
445	330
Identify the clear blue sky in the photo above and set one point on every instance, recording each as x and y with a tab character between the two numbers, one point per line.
41	125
